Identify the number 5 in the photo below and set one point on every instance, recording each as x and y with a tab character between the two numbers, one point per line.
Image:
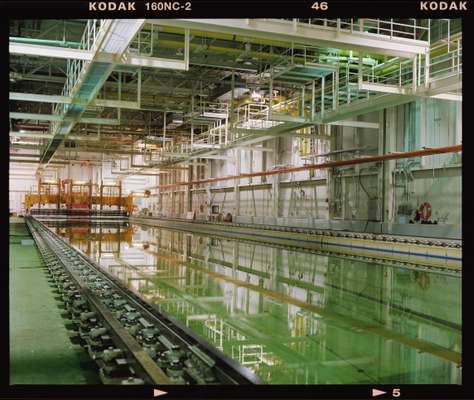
396	393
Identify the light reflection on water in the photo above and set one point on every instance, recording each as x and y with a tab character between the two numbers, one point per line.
292	317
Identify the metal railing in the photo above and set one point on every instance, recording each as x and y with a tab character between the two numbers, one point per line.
212	109
340	89
75	68
394	28
214	137
253	116
443	65
144	42
89	43
401	74
447	64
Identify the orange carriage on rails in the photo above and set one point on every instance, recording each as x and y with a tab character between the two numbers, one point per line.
80	197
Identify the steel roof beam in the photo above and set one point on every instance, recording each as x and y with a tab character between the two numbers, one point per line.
365	106
14	160
49	51
40	98
153	62
113	36
52	117
444	85
87	55
448	96
313	35
357	124
35	117
31	134
46	98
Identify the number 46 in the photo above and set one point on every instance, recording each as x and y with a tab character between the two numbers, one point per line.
323	6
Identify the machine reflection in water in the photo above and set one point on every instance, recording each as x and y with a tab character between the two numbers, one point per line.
292	317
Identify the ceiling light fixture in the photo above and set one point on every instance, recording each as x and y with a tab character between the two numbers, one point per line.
256	96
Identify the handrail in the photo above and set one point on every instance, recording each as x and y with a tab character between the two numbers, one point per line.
370	26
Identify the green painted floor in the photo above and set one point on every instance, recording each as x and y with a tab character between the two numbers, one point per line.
41	351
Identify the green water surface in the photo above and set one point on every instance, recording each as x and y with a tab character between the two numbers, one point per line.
292	317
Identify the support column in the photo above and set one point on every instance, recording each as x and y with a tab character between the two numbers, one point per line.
208	187
236	181
120	196
160	196
189	192
414	74
164	130
90	195
58	203
172	193
39	193
270	94
337	131
139	87
235	265
427	70
250	164
348	88
186	48
323	81
458	135
192	119
423	127
387	143
302	101
232	95
360	77
276	182
101	195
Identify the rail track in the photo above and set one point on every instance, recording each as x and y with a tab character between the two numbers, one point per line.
131	340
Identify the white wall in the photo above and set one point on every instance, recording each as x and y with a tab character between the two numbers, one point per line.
411	126
22	180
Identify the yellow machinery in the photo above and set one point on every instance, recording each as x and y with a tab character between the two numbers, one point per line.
72	195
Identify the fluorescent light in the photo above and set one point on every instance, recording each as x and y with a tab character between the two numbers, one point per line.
256	96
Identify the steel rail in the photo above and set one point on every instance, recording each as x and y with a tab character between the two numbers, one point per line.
226	370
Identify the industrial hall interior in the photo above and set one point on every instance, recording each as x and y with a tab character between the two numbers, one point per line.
235	201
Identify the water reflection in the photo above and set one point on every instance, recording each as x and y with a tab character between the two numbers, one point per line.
292	317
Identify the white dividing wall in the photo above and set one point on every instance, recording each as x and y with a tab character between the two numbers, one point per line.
22	180
306	195
429	123
435	179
